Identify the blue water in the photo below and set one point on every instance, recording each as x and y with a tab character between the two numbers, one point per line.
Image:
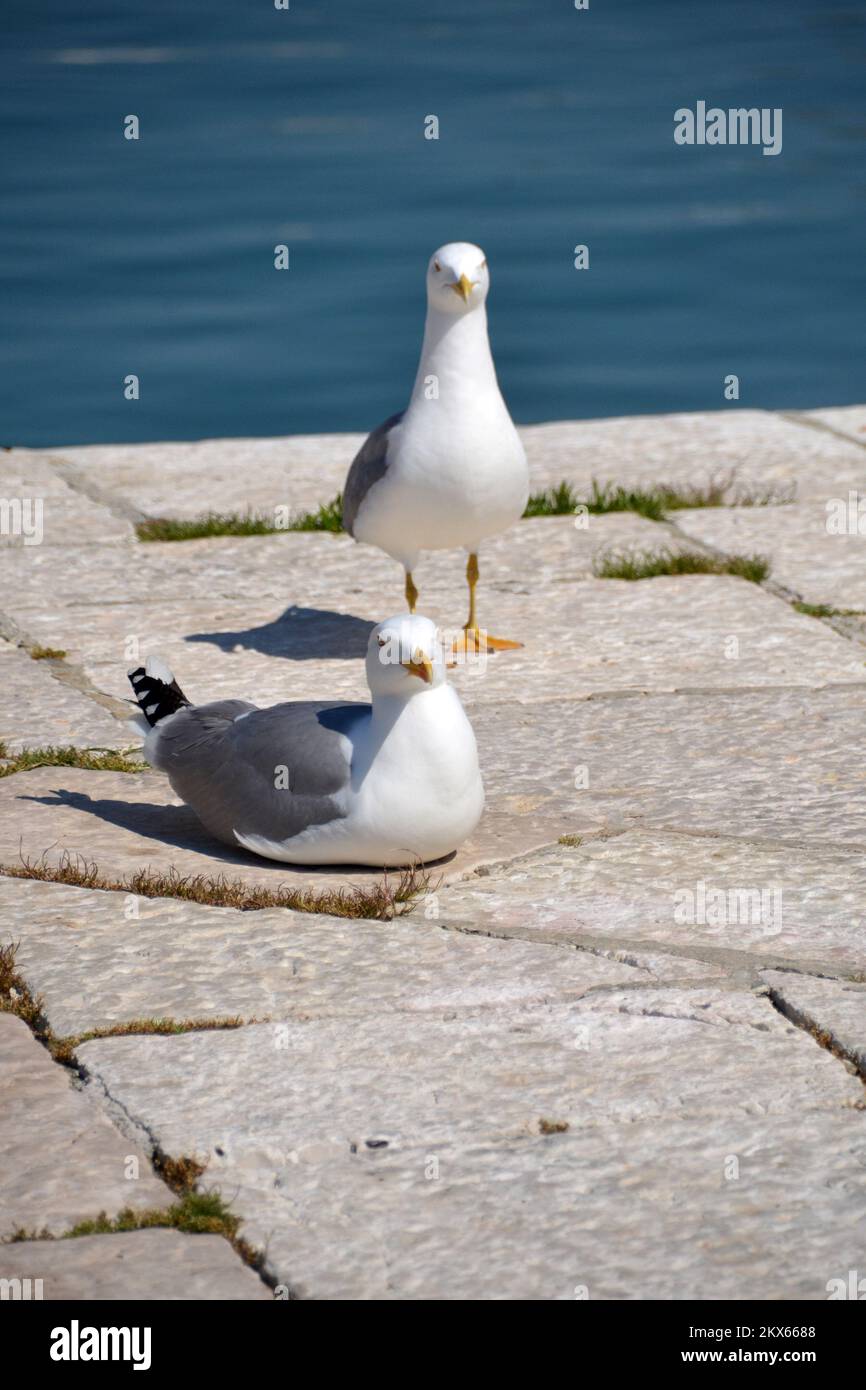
305	126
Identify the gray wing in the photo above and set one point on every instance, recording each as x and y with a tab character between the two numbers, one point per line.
368	466
230	769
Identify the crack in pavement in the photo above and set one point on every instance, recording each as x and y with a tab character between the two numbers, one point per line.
796	417
824	1037
66	672
70	474
732	960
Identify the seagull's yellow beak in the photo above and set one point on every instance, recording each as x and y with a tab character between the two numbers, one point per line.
463	287
420	665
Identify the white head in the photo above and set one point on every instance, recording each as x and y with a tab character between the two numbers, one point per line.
457	278
404	657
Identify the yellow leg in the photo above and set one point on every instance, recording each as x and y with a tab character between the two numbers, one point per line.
471	624
411	592
475	639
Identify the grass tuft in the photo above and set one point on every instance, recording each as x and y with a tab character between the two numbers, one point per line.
561	500
16	996
648	564
570	841
38	653
195	1213
92	759
653	502
63	1049
381	901
328	516
823	610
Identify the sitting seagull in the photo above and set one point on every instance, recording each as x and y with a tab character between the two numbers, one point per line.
319	783
450	469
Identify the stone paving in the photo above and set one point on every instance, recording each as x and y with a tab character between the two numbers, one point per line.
616	1050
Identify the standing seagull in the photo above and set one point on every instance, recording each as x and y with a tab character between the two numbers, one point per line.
450	469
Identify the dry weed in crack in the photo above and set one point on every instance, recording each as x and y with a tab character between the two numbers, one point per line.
381	901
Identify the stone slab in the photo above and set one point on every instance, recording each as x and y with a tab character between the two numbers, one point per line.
158	1265
833	1007
69	517
767	765
410	1161
61	1160
94	965
645	890
287	617
39	709
819	567
186	479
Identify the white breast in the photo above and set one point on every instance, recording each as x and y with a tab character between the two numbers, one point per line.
416	792
457	471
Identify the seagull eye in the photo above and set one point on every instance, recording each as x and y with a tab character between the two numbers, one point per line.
436	265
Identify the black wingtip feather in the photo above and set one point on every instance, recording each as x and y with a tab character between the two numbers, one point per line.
156	699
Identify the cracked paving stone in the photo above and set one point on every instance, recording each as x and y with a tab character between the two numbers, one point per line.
61	1160
138	1265
68	518
95	966
406	1160
655	889
836	1008
39	709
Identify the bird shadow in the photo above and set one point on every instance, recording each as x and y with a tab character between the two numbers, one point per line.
180	828
177	826
299	634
